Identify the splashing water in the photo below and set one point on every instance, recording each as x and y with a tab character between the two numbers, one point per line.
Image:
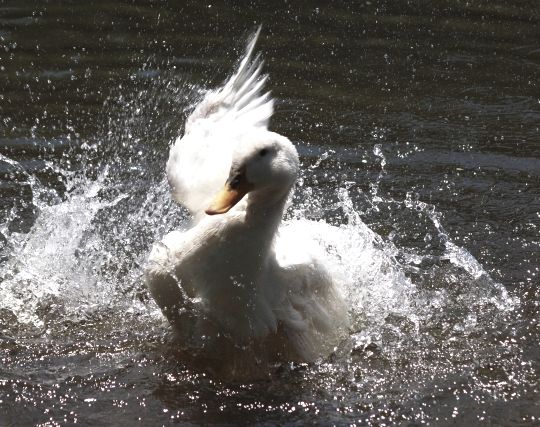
81	265
58	259
86	250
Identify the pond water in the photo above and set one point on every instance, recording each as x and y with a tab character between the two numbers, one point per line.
418	130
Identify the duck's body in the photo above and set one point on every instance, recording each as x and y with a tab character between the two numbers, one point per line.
283	303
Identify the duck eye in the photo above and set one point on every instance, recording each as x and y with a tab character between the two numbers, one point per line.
263	152
235	182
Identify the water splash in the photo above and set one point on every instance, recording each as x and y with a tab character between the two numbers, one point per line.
47	263
397	293
86	250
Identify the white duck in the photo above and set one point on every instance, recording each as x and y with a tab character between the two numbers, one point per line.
228	278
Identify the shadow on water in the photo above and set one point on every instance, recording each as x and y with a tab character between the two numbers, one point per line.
417	127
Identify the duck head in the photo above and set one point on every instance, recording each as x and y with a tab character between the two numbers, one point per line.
264	165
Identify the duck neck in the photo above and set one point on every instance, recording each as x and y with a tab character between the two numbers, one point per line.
265	209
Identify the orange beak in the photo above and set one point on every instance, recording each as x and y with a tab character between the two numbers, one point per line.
234	190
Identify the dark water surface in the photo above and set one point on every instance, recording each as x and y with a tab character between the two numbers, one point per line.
418	127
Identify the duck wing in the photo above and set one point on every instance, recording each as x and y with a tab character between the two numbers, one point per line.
200	160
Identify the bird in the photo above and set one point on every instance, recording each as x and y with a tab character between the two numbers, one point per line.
231	286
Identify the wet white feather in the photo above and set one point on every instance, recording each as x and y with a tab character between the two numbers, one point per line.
212	131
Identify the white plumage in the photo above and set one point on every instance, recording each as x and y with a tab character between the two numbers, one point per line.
199	162
229	284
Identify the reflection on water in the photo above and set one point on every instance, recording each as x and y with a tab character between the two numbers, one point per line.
418	132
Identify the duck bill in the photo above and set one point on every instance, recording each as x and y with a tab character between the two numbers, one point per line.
228	197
